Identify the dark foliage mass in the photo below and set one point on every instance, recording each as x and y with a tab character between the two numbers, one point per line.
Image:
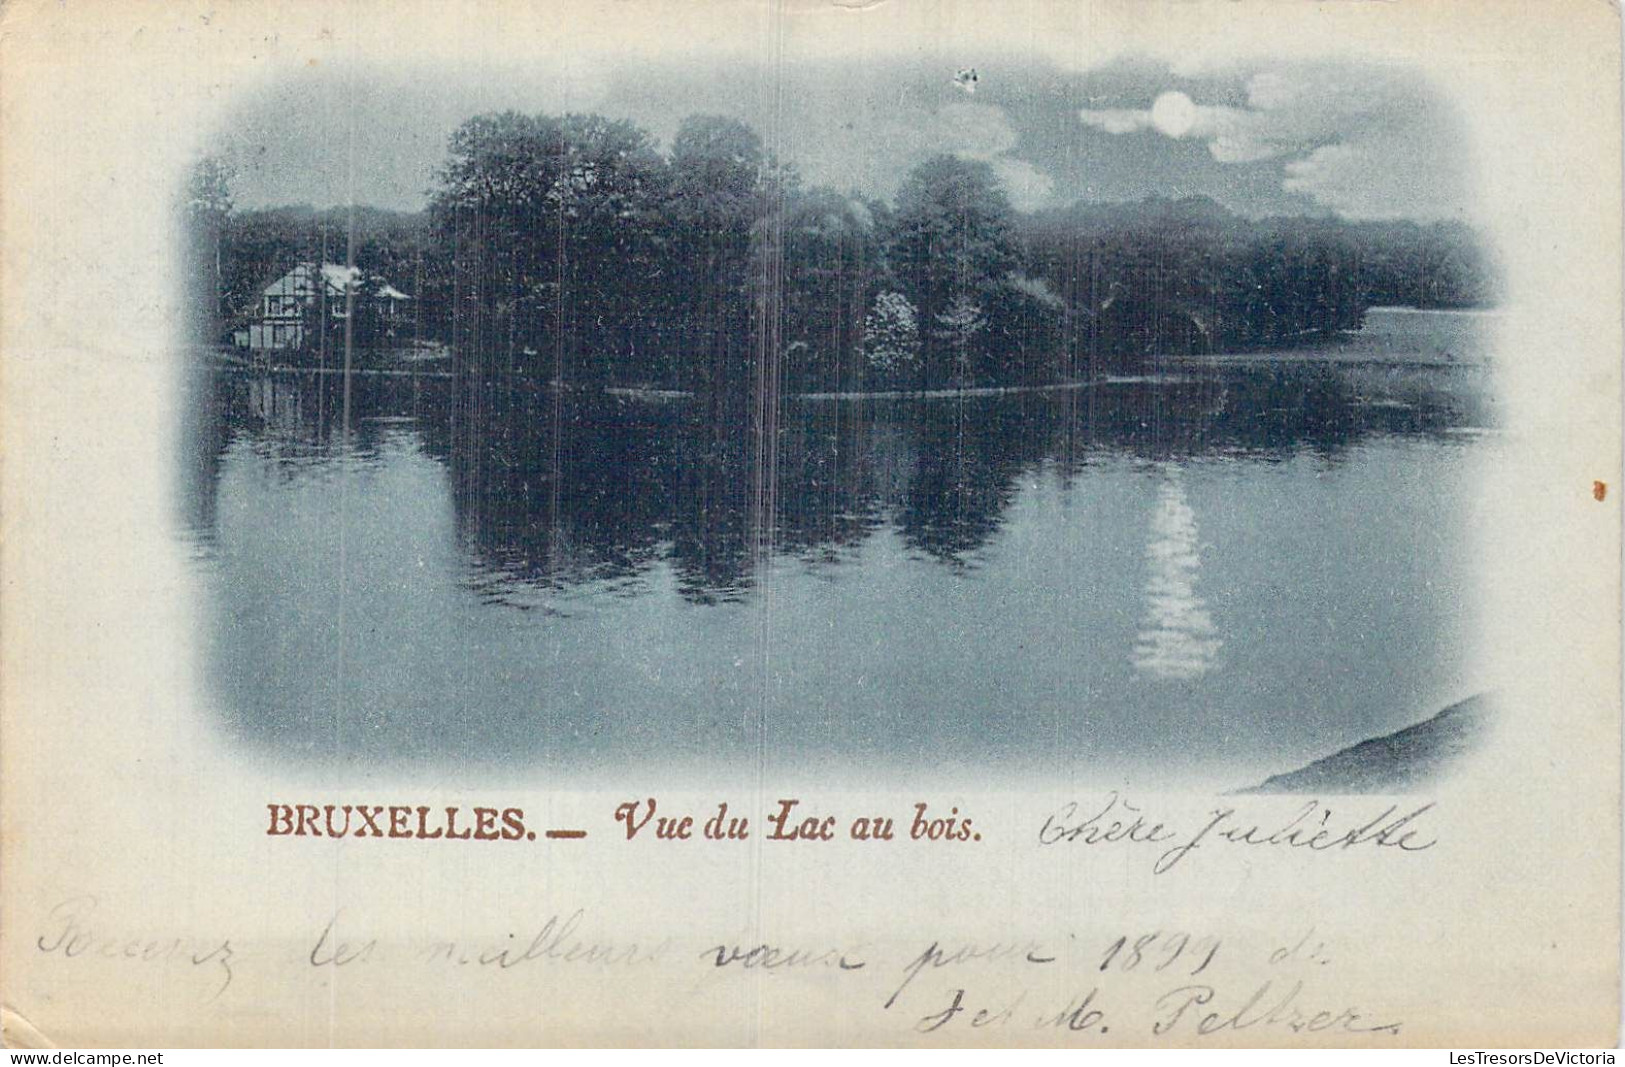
571	248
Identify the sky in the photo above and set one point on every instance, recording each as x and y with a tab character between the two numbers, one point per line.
1357	140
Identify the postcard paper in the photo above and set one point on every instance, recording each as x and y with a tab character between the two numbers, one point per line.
912	523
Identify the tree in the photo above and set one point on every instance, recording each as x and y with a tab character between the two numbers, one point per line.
605	194
957	328
891	338
718	167
488	207
950	244
551	226
1025	343
208	208
719	193
831	264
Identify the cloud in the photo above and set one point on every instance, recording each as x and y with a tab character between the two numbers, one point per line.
1029	188
983	132
1359	178
1348	137
975	131
1116	120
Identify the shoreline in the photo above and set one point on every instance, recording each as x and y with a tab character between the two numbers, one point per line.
1340	350
1401	762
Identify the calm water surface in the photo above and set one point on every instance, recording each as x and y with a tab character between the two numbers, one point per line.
1210	574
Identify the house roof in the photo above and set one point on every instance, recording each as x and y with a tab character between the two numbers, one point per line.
338	279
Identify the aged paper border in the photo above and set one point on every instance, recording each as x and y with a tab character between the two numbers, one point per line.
114	789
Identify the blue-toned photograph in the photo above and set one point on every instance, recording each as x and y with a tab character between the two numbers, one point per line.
844	420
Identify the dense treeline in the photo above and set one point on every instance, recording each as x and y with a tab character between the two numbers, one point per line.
1187	275
572	247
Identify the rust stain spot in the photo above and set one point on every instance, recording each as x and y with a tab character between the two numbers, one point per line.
1599	489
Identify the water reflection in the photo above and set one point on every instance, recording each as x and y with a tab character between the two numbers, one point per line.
553	491
480	570
1178	638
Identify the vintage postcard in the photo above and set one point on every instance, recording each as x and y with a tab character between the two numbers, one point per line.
906	523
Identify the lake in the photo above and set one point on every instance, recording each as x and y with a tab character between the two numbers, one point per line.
1204	575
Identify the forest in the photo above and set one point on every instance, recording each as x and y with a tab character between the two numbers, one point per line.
573	249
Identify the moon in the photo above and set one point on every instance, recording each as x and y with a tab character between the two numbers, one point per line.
1173	114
